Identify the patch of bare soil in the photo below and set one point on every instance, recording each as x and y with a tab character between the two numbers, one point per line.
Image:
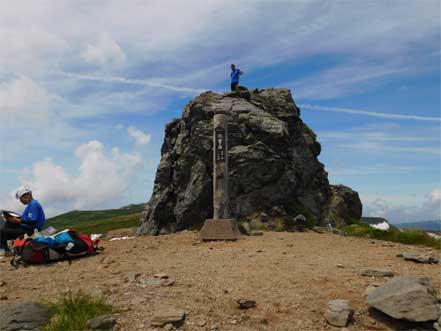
291	276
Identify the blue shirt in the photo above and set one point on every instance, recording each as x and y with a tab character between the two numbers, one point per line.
235	75
33	216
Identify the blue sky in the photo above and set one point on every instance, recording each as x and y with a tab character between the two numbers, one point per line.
86	88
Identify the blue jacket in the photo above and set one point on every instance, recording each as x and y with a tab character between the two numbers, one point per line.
33	216
235	75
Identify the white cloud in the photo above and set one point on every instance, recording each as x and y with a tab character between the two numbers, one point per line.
140	137
22	99
395	211
101	177
105	51
386	138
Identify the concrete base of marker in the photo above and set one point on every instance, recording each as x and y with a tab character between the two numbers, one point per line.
223	229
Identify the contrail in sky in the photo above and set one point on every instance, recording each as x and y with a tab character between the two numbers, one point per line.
140	82
371	113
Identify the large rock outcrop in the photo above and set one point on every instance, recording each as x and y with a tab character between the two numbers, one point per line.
273	165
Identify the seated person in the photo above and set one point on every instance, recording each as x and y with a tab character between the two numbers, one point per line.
32	218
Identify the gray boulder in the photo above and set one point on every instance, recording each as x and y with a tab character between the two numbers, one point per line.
24	316
339	312
272	162
409	298
377	272
420	257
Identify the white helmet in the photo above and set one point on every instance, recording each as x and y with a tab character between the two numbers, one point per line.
22	190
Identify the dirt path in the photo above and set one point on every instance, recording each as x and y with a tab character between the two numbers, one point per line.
290	275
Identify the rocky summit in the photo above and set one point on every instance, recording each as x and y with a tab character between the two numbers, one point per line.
273	166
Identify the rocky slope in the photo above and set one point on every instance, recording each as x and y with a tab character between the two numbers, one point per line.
273	166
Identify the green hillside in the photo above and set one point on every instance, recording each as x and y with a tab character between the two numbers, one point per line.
98	221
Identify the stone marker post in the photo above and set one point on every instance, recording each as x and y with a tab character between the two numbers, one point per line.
221	227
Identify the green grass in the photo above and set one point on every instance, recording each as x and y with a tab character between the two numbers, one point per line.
73	310
410	237
99	221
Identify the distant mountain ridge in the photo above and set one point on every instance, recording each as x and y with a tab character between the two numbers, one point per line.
434	226
98	221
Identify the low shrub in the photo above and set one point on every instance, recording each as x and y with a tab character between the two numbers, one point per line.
412	237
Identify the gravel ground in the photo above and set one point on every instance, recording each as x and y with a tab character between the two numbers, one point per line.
291	276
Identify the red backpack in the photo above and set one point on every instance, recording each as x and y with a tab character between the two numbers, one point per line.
34	251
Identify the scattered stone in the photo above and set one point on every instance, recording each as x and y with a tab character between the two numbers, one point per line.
24	316
300	222
341	266
132	276
246	303
161	275
339	312
263	217
410	298
150	282
419	257
103	322
3	297
168	327
2	283
257	233
377	273
167	282
244	228
168	316
259	251
215	327
201	323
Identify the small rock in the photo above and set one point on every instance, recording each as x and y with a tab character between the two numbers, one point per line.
168	316
167	282
263	217
341	266
161	275
257	233
201	323
132	276
437	326
377	273
102	322
2	283
246	303
339	312
3	297
147	282
215	327
420	257
259	251
168	327
244	228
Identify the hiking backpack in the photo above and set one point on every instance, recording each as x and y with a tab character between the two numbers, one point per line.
70	245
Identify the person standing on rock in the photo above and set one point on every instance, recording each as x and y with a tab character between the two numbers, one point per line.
235	75
32	218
